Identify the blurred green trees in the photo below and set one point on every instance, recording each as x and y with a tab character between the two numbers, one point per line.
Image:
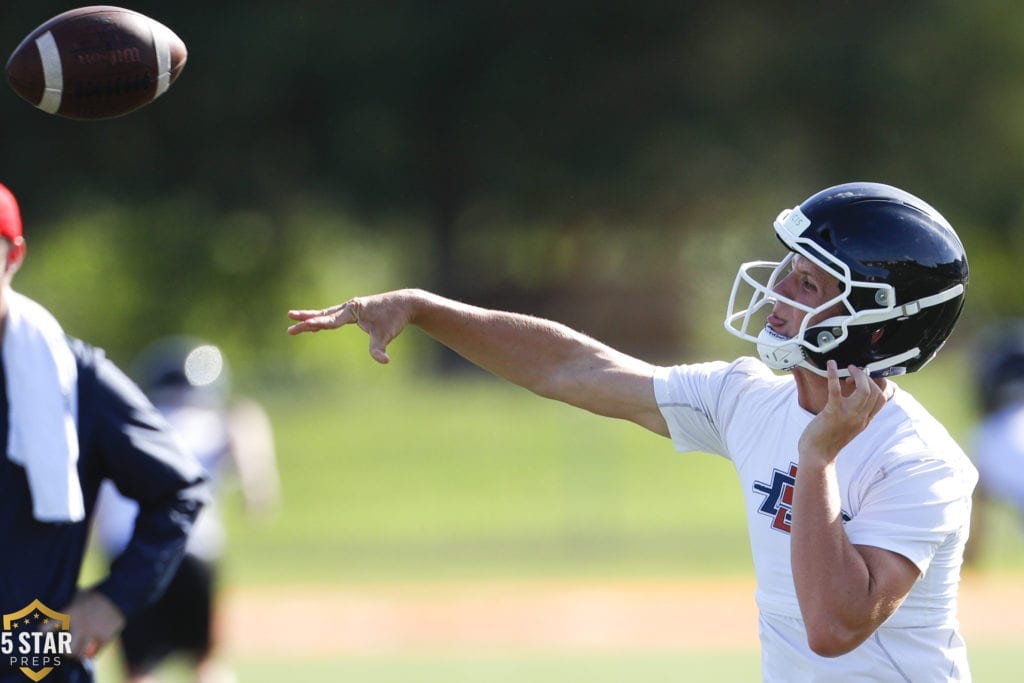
605	163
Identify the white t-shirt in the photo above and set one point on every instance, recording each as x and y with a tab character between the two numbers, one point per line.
905	486
999	455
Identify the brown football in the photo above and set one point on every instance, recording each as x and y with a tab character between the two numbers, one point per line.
96	63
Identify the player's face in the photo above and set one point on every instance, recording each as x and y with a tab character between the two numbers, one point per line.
807	284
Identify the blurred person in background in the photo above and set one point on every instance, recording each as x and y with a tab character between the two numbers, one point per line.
69	419
857	500
997	444
188	381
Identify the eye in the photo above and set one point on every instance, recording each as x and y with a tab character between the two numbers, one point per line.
808	284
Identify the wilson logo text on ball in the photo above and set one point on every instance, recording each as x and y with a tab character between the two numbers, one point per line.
128	55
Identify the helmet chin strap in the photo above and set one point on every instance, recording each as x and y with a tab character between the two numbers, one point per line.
893	365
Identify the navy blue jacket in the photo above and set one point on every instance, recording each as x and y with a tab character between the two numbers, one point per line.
121	437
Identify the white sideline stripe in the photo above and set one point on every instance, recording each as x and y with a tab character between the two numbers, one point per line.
53	75
163	60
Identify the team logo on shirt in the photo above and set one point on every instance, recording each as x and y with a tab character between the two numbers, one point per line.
778	498
35	639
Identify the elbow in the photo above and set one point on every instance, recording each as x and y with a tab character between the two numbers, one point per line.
829	647
833	640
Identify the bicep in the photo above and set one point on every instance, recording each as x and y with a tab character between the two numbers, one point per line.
612	384
892	576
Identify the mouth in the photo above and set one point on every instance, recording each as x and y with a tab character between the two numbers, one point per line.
774	321
772	332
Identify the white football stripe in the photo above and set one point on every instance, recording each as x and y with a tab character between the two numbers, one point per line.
163	60
53	74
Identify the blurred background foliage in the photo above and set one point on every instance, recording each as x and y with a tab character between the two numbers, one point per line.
607	164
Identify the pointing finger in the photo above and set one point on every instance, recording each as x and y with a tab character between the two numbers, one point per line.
304	314
323	319
834	388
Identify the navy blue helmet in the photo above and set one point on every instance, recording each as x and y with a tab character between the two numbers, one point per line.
902	272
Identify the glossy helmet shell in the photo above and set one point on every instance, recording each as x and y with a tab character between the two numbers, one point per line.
886	235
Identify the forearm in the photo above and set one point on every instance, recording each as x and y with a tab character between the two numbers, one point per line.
832	579
525	350
546	357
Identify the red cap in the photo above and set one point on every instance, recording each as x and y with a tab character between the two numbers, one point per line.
10	215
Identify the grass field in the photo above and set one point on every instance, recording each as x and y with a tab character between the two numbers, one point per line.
477	478
627	667
728	666
988	665
391	480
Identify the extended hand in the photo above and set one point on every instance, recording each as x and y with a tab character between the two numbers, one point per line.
843	417
382	316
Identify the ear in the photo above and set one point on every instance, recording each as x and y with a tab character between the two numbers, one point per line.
15	255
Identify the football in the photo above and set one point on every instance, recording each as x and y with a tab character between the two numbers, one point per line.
96	62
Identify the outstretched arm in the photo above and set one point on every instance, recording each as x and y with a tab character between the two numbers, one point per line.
548	358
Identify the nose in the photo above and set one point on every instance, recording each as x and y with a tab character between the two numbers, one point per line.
783	288
784	285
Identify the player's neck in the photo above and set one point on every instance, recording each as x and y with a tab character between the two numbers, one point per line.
812	389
